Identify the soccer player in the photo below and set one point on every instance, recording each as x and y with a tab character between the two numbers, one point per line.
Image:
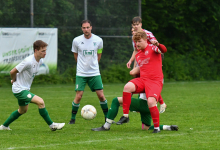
151	77
137	27
139	105
87	49
22	77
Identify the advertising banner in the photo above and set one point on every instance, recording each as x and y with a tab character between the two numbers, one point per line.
17	43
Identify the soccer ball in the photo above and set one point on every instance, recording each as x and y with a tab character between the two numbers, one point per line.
88	112
44	69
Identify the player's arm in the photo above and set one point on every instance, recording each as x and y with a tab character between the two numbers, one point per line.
160	48
75	56
132	58
99	53
135	71
13	74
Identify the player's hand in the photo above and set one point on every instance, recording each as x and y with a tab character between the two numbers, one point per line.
155	42
12	81
129	64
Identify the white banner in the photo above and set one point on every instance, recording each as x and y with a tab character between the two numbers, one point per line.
17	43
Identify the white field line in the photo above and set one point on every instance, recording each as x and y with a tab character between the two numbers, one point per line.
107	140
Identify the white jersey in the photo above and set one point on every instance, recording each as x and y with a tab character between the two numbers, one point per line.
27	69
87	60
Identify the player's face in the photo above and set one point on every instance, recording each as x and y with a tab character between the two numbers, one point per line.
132	31
86	28
41	52
141	44
137	26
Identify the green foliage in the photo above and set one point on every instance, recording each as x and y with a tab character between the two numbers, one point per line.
188	28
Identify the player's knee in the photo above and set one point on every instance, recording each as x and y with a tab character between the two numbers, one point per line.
41	103
151	101
22	111
129	87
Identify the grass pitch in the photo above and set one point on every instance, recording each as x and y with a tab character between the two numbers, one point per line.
193	106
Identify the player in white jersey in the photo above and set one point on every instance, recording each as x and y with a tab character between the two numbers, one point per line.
22	77
87	49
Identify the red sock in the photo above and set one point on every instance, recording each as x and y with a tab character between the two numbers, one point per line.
126	102
155	115
160	99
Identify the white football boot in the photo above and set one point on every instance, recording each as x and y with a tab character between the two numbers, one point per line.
56	126
4	128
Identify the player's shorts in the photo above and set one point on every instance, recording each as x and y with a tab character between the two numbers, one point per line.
150	87
141	106
24	97
94	83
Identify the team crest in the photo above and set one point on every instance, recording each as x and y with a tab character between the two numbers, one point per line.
94	43
146	53
29	95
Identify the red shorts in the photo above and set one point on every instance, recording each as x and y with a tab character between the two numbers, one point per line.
149	87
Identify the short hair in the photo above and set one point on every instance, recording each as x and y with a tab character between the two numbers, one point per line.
86	21
39	44
136	19
139	35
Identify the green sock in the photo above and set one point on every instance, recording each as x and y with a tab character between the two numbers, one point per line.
152	127
113	111
75	108
12	118
104	106
43	112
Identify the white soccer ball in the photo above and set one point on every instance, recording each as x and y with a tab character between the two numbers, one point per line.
88	112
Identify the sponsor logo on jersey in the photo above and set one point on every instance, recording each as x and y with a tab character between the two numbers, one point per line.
142	62
88	52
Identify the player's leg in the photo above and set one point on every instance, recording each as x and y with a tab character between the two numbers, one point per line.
45	115
112	113
79	88
95	84
129	88
154	113
24	98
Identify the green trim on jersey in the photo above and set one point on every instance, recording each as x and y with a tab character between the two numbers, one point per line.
99	51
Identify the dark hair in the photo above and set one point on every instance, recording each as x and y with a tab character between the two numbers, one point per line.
86	21
136	19
39	44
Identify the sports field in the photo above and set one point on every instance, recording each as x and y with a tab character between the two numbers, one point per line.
193	106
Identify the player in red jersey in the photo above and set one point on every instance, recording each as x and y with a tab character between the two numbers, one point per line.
136	26
151	77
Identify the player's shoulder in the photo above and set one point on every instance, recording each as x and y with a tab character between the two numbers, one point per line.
96	37
78	38
146	31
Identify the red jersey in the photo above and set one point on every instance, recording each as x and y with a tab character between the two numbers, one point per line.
150	62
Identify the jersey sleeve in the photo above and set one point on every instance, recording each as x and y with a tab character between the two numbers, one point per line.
100	47
23	65
74	46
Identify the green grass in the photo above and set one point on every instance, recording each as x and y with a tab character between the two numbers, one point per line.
193	106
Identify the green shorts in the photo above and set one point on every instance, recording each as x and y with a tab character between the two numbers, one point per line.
94	83
141	106
24	97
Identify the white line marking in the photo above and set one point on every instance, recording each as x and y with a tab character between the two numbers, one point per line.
95	141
